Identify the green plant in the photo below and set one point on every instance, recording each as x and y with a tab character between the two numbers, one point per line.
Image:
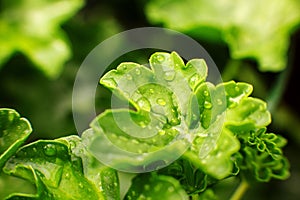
221	129
33	28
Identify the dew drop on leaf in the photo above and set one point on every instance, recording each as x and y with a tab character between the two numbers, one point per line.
137	71
219	102
161	102
123	67
134	141
67	175
144	104
110	82
161	132
174	121
193	80
151	91
128	77
207	105
160	58
169	75
205	93
80	185
50	150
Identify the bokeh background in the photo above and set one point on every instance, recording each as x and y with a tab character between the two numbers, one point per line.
43	43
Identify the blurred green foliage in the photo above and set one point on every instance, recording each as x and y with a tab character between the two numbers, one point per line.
39	58
252	29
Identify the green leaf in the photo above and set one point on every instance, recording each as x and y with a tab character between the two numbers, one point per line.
152	186
14	130
170	113
104	178
192	179
149	134
214	157
256	29
250	114
56	174
262	156
33	28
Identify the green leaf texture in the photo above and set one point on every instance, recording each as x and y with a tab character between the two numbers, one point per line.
252	29
33	28
14	130
61	169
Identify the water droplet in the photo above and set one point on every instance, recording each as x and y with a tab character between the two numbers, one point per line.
134	141
122	67
110	82
67	175
194	80
206	93
169	75
160	58
137	71
34	149
219	102
128	77
125	139
151	91
142	124
144	104
80	185
50	150
174	121
237	89
161	102
161	132
207	105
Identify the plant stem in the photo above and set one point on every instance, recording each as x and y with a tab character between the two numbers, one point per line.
240	191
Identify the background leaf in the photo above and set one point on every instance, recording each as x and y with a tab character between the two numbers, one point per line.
33	28
249	28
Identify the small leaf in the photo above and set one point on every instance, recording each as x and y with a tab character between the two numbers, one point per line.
14	130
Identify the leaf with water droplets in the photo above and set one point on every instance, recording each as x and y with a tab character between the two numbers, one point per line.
104	178
214	156
55	172
153	186
14	130
249	114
